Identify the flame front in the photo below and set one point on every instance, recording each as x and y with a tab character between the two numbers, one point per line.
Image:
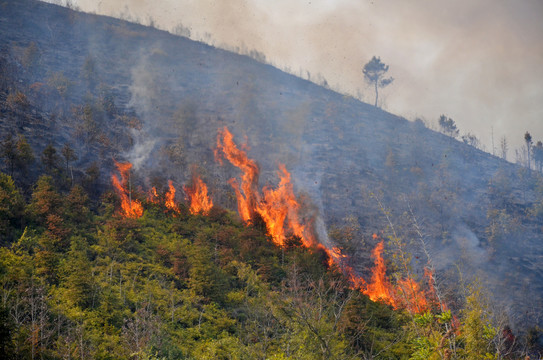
130	208
200	202
279	209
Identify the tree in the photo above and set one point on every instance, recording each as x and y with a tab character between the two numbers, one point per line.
25	156
448	127
504	147
16	153
11	206
538	155
471	140
374	72
69	154
49	158
8	149
528	140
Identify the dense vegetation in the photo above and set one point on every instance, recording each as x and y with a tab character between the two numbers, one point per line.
79	283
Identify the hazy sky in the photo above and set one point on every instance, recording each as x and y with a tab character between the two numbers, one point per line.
479	62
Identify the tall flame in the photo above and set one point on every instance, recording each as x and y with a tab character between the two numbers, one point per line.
380	288
246	192
130	208
278	207
200	202
170	198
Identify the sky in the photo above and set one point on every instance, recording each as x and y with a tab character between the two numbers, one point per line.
479	62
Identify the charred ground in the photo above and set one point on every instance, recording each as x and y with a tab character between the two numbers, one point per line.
112	89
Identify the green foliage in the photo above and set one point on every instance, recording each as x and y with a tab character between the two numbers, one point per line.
86	285
11	208
478	332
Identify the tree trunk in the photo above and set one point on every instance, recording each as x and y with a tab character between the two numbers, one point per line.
376	94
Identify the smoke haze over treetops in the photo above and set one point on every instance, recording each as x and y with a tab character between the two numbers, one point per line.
478	62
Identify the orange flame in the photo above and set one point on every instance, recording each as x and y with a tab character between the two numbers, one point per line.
170	198
200	202
130	208
246	192
152	197
278	207
380	288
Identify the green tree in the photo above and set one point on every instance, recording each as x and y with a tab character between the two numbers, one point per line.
50	158
25	156
45	200
16	153
11	207
374	73
9	152
69	155
478	333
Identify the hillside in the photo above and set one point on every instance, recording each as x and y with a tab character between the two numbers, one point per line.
115	90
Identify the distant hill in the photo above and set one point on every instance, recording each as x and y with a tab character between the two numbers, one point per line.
113	89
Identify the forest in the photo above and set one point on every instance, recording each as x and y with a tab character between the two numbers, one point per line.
100	283
161	198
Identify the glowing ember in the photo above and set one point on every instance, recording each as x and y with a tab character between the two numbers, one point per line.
170	198
130	208
200	202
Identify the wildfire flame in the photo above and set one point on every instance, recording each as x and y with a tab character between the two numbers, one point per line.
380	288
152	197
246	192
170	198
200	202
130	208
278	207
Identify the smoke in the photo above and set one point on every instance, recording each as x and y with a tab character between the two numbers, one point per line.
480	63
142	149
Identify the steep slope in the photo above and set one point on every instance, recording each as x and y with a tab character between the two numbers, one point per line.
118	90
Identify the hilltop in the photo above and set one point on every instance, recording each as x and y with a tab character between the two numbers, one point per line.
116	90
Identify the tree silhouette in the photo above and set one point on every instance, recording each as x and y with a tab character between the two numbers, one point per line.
448	126
528	139
374	72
